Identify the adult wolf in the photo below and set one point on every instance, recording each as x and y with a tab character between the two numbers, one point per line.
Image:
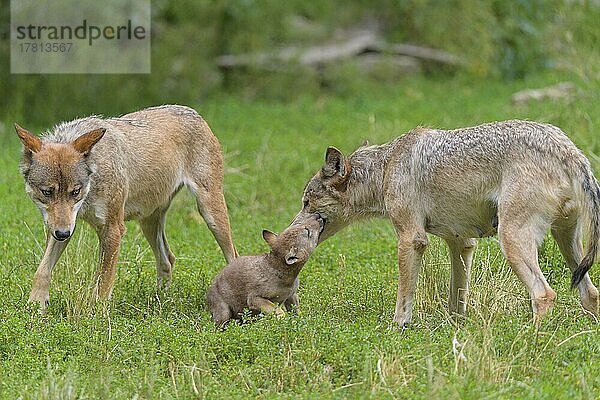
108	170
513	178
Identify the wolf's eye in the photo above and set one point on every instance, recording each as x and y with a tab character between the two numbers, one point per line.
76	192
46	192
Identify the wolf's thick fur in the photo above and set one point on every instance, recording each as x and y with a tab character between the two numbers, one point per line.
258	282
513	178
108	170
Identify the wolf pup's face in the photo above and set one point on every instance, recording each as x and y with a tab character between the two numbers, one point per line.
326	193
57	177
297	242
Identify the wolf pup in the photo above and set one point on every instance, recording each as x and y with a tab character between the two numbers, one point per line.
516	179
258	282
108	170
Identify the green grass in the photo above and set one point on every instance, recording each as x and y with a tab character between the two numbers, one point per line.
147	345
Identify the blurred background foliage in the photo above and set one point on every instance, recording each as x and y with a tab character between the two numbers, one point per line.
498	39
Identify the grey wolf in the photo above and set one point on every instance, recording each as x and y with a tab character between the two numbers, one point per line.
259	282
516	179
109	170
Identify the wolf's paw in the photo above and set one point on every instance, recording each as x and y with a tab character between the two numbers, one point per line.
400	328
40	297
401	322
163	282
541	306
279	312
589	302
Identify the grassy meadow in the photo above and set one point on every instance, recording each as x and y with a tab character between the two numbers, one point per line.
149	345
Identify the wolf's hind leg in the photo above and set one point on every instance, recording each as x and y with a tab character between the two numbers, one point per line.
519	245
292	303
461	253
154	231
212	207
567	234
265	306
40	290
220	312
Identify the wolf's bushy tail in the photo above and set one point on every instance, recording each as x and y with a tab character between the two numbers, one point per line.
591	193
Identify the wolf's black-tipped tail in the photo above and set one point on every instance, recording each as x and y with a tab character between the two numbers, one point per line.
591	191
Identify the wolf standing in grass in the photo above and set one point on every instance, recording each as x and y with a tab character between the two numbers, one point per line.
516	179
108	170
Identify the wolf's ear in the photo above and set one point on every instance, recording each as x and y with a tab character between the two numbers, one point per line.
291	257
85	142
335	163
269	237
31	142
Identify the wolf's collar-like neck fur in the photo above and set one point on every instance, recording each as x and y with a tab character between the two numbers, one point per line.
366	182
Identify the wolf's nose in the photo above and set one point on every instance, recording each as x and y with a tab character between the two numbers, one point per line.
320	218
61	235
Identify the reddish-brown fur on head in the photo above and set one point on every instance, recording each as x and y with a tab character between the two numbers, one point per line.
326	193
31	142
57	177
84	143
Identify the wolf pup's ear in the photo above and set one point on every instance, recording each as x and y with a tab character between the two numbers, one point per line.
291	257
31	142
269	237
85	142
334	163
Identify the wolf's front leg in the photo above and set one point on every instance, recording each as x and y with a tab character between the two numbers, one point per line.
265	306
461	255
110	243
41	280
292	303
411	246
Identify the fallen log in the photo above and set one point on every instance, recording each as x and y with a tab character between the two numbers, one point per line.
561	90
311	56
424	53
363	42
